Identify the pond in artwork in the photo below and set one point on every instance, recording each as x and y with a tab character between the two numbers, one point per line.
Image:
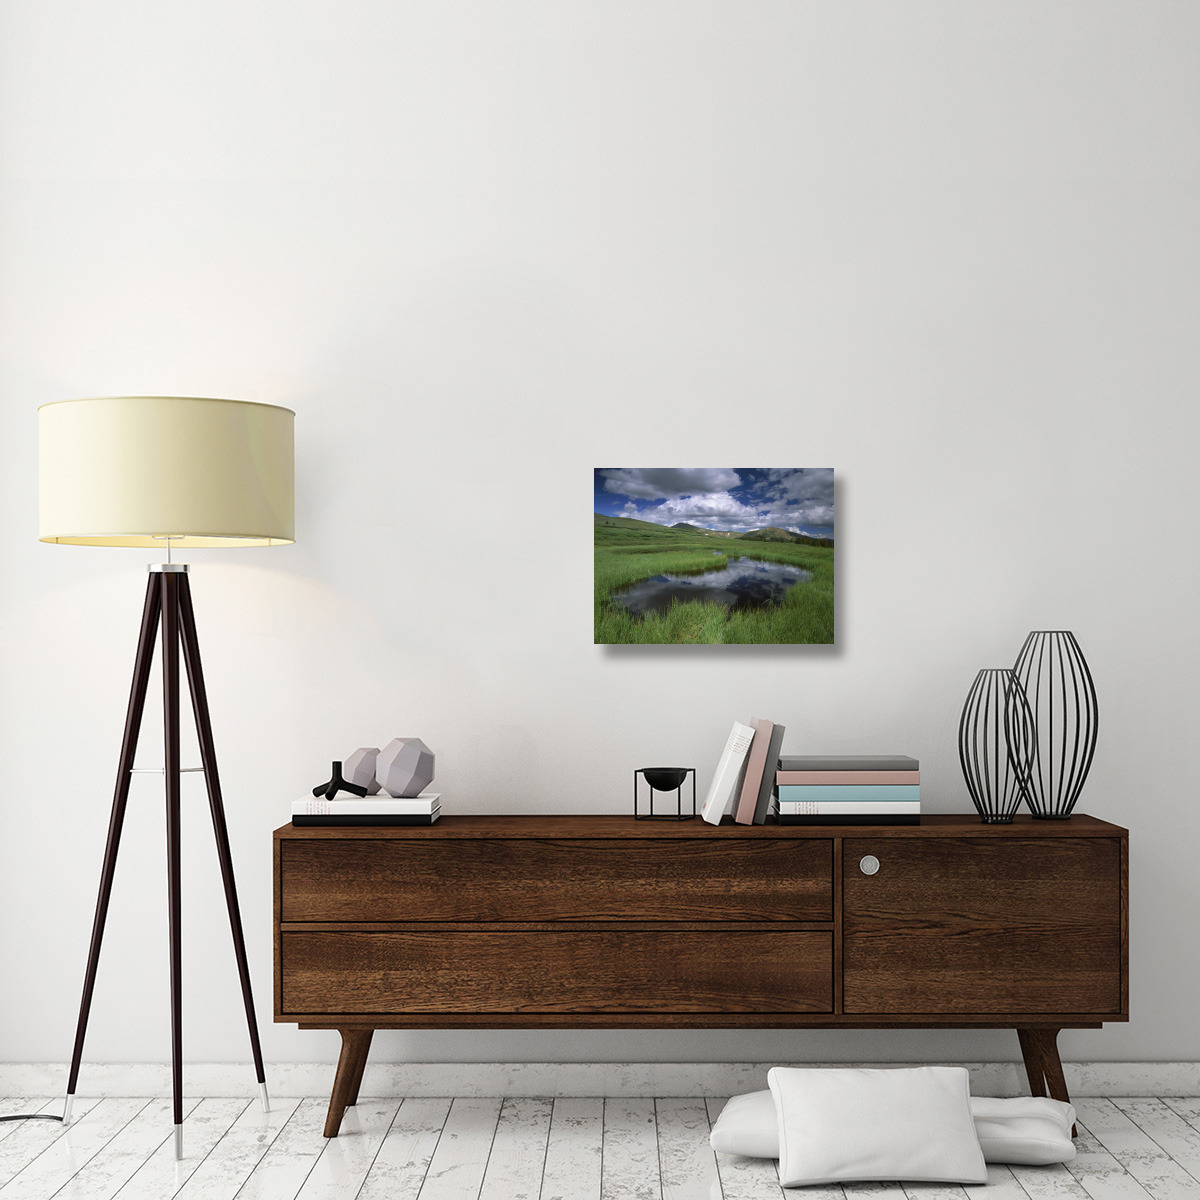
743	583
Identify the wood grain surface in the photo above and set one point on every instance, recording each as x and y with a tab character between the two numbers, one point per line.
541	879
967	926
579	970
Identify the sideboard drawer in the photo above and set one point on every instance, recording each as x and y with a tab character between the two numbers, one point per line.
580	970
751	879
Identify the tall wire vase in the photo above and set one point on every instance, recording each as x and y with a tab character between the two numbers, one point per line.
995	744
1055	676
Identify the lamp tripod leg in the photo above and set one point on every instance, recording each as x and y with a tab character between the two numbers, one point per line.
170	664
133	722
208	759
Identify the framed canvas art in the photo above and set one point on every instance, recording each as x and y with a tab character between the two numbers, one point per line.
714	554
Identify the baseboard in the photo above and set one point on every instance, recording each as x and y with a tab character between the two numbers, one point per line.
550	1079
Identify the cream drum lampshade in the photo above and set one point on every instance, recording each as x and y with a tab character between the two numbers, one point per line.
136	470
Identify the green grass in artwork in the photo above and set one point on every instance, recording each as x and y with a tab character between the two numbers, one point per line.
628	550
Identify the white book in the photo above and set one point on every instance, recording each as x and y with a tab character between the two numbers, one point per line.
847	808
723	791
381	806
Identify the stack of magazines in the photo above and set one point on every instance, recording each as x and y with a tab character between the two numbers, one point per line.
368	810
853	789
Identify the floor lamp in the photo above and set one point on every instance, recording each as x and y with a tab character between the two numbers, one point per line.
178	472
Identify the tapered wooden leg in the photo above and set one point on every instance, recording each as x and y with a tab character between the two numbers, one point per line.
169	650
1031	1053
208	759
133	725
358	1074
355	1044
1043	1066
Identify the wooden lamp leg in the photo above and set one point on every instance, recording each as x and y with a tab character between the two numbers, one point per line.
208	759
133	724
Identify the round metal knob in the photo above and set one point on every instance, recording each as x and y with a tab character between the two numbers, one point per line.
868	864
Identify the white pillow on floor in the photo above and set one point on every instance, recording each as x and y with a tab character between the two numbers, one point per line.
843	1124
1030	1130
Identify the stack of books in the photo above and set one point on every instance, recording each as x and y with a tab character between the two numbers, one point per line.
368	810
854	789
744	783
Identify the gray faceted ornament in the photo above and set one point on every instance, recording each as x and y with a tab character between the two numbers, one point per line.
359	768
404	767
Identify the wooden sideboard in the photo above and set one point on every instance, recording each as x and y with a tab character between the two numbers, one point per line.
608	922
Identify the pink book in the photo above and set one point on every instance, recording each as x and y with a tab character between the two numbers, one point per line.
756	764
836	777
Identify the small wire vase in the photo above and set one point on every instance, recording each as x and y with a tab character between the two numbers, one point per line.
1058	685
995	744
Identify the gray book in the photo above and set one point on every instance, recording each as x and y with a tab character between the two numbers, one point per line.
767	787
848	762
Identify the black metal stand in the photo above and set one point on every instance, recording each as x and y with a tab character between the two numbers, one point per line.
664	779
169	602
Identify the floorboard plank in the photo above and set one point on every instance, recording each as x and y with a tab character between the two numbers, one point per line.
1140	1155
875	1190
1001	1185
1102	1176
161	1176
518	1158
460	1160
232	1160
1188	1107
1170	1131
105	1175
67	1155
934	1191
283	1169
574	1150
686	1164
29	1138
346	1160
11	1105
403	1160
629	1170
1053	1182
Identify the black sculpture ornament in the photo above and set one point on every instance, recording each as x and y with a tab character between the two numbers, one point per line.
664	779
995	744
337	784
1055	677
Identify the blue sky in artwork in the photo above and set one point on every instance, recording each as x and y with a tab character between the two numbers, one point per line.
799	499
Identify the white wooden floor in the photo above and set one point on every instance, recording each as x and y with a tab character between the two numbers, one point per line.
520	1149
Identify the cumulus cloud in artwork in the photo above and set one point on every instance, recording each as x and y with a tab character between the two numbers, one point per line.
723	499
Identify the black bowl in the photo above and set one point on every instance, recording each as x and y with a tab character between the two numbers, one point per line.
665	779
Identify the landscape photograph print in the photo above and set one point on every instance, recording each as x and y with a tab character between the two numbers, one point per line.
688	555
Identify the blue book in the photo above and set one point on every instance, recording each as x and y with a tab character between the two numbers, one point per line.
853	793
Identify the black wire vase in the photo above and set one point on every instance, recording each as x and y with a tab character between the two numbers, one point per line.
1055	677
995	744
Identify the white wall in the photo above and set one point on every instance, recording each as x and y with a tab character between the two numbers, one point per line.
951	250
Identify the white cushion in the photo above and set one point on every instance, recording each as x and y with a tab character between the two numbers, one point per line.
1032	1130
747	1125
853	1123
1012	1129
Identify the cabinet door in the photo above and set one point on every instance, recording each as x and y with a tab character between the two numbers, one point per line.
982	925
